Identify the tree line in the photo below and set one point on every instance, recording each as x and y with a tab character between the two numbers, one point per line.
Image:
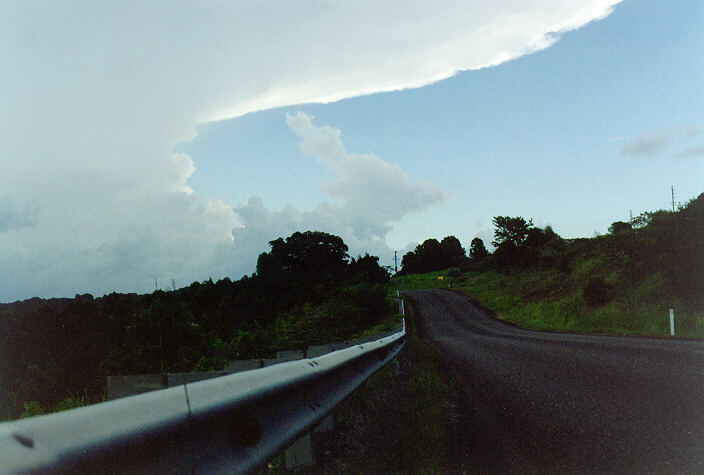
306	290
662	242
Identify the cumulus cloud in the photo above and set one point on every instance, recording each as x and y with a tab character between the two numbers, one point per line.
691	152
95	95
374	192
263	225
654	142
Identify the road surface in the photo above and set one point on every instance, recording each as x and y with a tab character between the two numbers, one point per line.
533	401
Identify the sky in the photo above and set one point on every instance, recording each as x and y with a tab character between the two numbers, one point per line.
144	141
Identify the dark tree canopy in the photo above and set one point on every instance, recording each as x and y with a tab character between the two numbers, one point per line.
512	231
538	238
477	250
367	269
619	227
432	255
312	255
452	249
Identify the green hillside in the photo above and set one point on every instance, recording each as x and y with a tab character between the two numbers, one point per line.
624	282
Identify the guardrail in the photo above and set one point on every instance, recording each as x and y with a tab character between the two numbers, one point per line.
234	423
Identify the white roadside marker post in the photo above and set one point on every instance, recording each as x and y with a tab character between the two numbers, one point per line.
672	322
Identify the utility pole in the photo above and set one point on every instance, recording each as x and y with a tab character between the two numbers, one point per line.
631	220
395	264
672	188
156	287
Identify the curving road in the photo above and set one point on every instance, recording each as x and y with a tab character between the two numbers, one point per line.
533	401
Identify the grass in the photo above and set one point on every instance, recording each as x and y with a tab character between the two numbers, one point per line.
425	440
33	408
547	299
390	323
431	280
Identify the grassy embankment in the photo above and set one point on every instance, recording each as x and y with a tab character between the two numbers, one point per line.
624	282
548	299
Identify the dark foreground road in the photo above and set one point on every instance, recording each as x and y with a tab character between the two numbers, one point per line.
536	401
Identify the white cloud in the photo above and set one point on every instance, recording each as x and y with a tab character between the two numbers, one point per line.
374	192
691	152
654	142
96	94
618	138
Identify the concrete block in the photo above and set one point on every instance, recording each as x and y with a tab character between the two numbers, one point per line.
363	340
129	385
283	357
202	375
175	379
290	355
300	454
238	366
178	379
319	350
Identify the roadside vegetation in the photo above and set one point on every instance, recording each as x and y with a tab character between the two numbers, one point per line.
399	421
56	354
623	282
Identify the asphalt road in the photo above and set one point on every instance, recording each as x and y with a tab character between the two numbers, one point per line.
534	401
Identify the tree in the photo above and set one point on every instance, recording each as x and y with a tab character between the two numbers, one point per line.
620	227
510	236
453	251
308	256
513	231
477	251
539	238
367	269
432	255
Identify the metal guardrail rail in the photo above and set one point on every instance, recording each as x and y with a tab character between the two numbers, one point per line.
234	423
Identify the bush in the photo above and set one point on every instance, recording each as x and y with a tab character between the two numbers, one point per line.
596	293
31	409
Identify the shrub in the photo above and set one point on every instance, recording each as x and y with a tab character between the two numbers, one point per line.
31	409
596	293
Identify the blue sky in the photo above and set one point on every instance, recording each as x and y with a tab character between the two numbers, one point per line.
540	136
142	142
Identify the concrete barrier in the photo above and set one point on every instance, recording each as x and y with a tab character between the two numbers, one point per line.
290	355
179	379
320	350
237	366
283	357
129	385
